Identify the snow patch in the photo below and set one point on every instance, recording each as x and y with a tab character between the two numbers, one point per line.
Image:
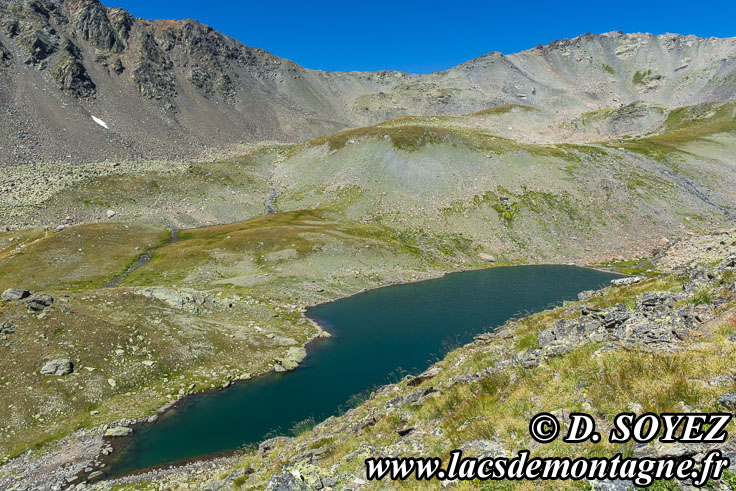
100	122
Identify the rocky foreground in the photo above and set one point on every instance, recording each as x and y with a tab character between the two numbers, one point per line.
660	342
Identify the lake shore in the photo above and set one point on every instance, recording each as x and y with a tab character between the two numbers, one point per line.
505	337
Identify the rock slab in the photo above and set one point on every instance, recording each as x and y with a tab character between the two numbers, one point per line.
39	301
118	431
14	294
59	367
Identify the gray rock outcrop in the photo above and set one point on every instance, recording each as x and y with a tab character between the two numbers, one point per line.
14	294
118	431
7	327
58	367
286	481
39	302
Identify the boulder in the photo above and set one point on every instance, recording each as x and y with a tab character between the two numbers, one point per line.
38	44
661	450
118	431
587	295
59	367
6	58
564	331
14	294
615	318
405	431
286	481
626	281
180	299
307	473
612	485
729	262
428	374
7	328
265	447
528	359
487	257
483	449
69	72
654	299
39	301
728	400
292	358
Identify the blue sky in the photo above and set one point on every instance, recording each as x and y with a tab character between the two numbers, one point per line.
428	36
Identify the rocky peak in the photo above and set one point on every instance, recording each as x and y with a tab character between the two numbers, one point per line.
30	24
104	29
70	73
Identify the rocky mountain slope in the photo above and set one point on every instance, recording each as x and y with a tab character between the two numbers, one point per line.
134	274
81	82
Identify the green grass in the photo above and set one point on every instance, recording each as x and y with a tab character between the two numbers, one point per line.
299	234
684	125
640	77
636	266
702	297
302	427
693	122
627	293
503	109
527	342
506	212
660	485
407	138
539	203
79	257
411	134
729	478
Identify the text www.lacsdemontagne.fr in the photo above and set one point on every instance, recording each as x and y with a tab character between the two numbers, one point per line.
640	471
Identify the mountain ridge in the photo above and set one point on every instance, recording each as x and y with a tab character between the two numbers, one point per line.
178	89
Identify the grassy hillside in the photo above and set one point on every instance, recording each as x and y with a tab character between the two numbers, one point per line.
78	258
520	200
220	304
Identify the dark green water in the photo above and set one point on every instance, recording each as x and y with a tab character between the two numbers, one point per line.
377	335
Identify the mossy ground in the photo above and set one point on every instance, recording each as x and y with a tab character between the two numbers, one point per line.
636	266
682	126
79	257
